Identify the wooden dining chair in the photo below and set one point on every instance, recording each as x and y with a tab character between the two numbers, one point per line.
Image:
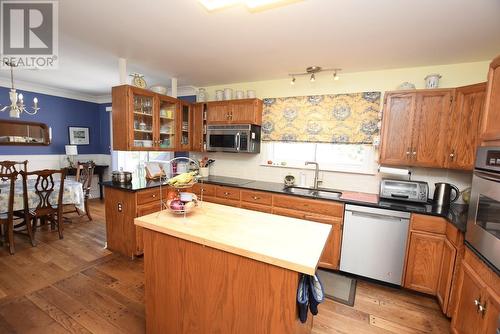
7	218
84	174
8	167
44	186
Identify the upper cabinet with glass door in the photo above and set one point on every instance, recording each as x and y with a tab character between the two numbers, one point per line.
185	125
168	113
144	121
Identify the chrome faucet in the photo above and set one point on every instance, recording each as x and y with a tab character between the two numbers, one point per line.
316	173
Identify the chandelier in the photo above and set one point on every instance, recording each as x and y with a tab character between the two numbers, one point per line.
17	106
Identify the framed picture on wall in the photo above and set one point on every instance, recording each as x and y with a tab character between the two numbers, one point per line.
78	135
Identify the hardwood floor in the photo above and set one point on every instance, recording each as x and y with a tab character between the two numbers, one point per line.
74	285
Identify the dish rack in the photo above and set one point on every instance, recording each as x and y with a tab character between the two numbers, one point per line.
171	171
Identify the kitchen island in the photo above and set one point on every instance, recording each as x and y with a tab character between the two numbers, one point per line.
227	270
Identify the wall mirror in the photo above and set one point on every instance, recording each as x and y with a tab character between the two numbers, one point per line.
13	132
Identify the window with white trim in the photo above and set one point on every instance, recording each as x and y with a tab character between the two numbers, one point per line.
350	158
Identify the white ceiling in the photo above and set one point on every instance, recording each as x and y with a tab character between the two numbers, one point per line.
165	38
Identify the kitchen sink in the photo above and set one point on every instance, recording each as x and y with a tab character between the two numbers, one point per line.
320	193
328	194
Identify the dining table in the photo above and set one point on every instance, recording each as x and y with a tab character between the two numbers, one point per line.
73	194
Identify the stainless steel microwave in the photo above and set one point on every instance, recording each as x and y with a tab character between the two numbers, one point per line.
483	222
236	138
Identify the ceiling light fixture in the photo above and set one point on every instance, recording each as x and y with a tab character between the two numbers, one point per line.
313	70
17	106
252	5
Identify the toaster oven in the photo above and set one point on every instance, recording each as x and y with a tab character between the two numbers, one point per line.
410	191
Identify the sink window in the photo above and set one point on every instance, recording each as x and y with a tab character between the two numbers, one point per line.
350	158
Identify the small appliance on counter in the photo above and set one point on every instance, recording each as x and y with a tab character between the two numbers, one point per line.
121	177
410	191
442	194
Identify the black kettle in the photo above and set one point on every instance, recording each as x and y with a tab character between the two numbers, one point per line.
442	194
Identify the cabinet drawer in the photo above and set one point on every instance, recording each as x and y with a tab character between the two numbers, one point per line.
310	205
207	189
148	196
256	197
224	201
148	208
227	193
307	216
428	224
256	207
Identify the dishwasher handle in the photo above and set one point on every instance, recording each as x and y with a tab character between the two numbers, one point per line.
376	216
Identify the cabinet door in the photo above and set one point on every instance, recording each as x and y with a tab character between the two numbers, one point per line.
331	254
423	264
197	128
431	122
185	126
397	128
490	129
168	127
446	274
464	126
144	122
218	113
467	319
491	314
245	112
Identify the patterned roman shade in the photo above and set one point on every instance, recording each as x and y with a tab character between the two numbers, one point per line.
339	118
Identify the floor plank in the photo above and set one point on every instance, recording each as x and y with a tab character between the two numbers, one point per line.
74	285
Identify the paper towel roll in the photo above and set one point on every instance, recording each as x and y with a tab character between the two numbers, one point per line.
394	171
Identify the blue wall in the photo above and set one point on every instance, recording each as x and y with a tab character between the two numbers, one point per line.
59	113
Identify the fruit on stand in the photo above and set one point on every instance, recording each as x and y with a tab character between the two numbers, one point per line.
182	180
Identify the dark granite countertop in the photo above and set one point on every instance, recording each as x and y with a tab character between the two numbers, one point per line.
456	213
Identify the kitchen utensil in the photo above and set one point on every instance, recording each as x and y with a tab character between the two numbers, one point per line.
228	94
121	177
202	95
432	80
159	89
251	94
289	180
442	194
204	171
219	95
240	94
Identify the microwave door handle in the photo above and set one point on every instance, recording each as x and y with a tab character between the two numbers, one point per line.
237	141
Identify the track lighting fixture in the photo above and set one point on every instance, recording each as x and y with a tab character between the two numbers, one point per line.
312	70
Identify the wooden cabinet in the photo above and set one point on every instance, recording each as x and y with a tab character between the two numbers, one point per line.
198	128
432	258
490	127
446	274
432	127
186	127
397	128
478	303
423	264
464	126
246	111
122	207
146	121
431	122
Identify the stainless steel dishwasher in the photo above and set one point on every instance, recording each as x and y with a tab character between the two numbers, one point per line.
374	243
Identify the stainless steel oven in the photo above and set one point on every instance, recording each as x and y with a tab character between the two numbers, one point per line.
483	223
233	138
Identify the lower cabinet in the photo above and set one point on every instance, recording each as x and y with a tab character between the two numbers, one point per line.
478	303
432	258
423	266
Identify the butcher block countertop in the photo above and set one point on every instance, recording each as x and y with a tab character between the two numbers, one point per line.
290	243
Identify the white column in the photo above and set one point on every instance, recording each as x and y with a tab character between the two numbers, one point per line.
174	87
122	69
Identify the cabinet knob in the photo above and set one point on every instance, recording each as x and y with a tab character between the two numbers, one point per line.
256	198
226	193
154	196
408	151
481	309
477	302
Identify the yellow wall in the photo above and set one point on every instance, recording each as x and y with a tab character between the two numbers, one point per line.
453	75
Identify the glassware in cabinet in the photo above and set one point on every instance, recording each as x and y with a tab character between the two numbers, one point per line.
167	117
143	120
